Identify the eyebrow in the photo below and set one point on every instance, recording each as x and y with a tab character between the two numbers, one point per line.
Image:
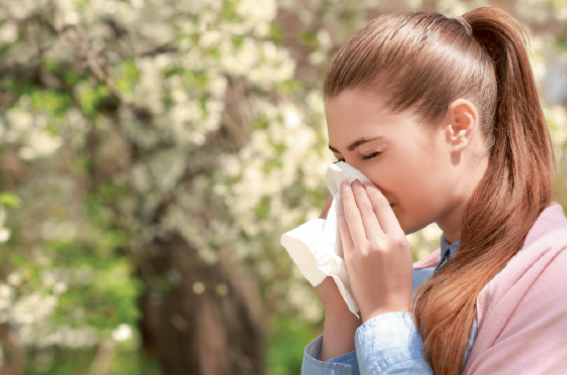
354	144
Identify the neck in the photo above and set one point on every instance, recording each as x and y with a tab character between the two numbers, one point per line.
451	222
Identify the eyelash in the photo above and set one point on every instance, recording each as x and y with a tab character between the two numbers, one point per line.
367	157
371	156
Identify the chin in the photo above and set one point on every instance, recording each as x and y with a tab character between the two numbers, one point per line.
408	226
414	227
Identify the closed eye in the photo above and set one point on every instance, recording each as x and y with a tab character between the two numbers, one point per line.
371	156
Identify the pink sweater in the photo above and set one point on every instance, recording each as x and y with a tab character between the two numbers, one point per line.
522	312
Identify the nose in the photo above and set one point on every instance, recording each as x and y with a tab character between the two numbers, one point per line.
364	168
353	162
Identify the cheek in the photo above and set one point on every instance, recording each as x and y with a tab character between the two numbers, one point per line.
415	186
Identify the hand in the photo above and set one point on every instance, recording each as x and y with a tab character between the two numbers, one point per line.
377	255
340	324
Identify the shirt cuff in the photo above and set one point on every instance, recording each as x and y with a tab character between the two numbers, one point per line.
346	364
386	341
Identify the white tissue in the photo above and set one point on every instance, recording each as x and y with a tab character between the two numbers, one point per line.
316	246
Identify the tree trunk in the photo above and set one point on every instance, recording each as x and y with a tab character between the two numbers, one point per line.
208	321
14	353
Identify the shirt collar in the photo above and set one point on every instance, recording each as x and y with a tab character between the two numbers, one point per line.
447	248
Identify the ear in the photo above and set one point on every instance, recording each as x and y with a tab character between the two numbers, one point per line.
462	119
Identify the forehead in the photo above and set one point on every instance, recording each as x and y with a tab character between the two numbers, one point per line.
353	114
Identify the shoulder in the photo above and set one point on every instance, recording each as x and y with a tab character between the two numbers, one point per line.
535	267
523	328
550	227
524	309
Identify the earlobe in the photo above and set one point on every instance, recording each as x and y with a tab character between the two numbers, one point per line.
463	123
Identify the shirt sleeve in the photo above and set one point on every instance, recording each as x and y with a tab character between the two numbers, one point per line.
346	364
378	333
387	344
390	344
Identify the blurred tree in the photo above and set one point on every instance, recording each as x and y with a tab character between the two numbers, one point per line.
159	149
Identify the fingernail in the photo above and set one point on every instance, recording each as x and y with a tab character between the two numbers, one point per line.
367	184
356	184
345	186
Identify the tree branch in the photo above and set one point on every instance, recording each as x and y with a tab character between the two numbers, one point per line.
94	62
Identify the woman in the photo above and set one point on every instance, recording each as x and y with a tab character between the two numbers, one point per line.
442	115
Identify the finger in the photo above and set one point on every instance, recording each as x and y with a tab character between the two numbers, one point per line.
352	216
346	239
386	217
326	207
369	219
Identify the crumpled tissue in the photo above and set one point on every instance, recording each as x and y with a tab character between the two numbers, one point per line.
316	246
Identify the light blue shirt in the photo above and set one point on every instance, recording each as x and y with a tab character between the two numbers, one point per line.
386	344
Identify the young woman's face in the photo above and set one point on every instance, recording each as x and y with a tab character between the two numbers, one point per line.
413	167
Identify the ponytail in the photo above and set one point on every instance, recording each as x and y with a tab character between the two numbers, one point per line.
516	188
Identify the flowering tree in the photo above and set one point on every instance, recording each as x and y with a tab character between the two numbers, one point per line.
159	149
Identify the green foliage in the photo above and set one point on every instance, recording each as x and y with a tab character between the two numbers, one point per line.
91	98
128	76
309	39
276	33
286	345
9	200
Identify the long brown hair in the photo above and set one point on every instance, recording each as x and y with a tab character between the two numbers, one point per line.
422	61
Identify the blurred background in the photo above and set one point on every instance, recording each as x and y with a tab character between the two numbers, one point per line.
152	152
